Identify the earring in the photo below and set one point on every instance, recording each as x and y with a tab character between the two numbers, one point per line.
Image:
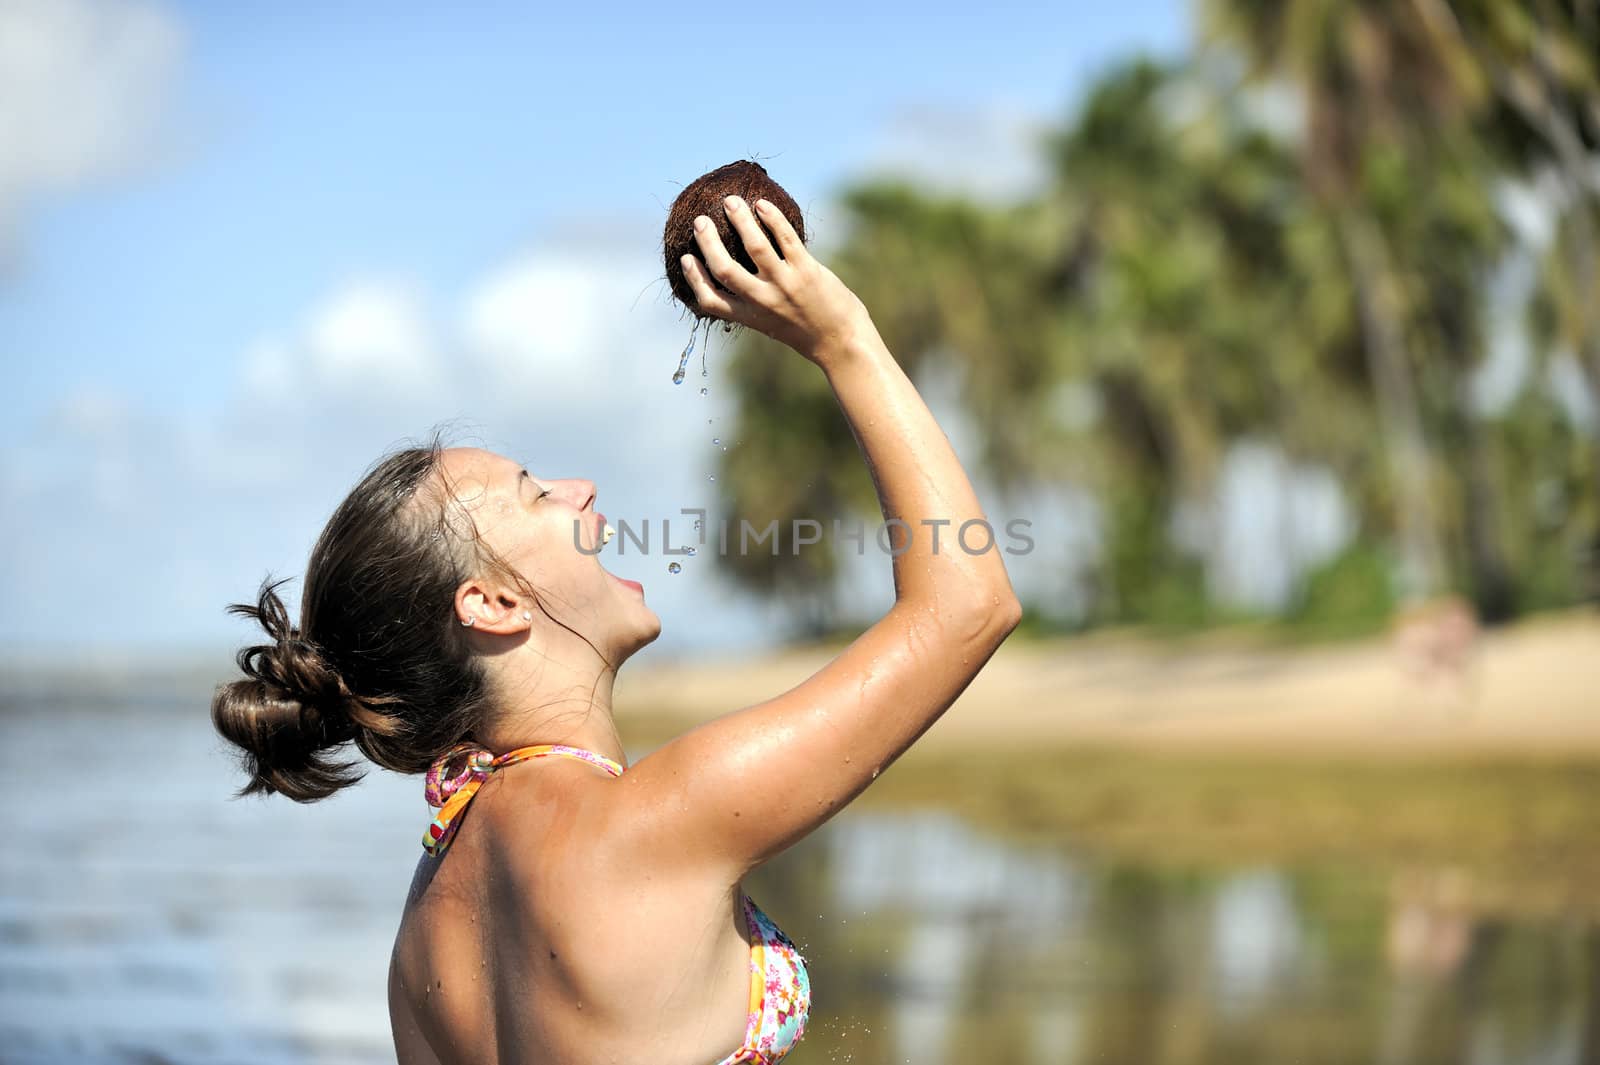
527	615
470	622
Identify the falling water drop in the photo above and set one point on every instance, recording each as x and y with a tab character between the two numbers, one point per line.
683	360
673	567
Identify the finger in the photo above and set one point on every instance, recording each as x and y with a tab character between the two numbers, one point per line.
754	237
706	296
733	277
790	246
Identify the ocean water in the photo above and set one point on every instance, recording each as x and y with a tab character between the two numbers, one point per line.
147	917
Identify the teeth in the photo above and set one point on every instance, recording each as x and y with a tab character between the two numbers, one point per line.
605	537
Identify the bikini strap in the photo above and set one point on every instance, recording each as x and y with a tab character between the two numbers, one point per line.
457	775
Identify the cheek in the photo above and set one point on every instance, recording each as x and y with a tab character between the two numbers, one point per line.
557	566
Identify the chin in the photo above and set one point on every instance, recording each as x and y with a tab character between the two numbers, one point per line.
643	636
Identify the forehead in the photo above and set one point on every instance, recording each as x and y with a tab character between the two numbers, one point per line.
472	473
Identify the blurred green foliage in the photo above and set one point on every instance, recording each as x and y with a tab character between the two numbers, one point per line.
1298	235
1350	595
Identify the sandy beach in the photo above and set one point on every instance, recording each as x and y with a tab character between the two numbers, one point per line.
1529	689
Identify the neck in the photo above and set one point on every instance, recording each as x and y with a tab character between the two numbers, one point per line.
557	692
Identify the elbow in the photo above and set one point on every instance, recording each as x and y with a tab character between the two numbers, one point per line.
1010	608
1008	611
991	617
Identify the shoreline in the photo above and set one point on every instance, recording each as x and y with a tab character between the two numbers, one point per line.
1525	694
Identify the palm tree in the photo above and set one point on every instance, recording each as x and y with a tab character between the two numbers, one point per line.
1541	60
1173	278
1369	79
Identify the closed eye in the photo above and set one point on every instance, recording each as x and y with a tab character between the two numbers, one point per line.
526	476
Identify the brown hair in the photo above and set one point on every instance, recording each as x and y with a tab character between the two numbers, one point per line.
378	658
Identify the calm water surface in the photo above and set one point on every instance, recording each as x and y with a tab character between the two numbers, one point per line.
145	918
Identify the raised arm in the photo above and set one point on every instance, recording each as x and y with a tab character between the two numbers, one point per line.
734	792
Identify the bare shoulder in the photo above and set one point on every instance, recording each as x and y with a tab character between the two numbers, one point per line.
410	1042
732	793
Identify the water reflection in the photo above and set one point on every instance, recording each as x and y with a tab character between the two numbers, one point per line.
944	944
955	905
1256	946
144	918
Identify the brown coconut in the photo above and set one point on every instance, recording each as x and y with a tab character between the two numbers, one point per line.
704	196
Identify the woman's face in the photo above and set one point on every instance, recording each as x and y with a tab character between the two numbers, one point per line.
549	531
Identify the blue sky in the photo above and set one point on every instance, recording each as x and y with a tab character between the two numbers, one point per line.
245	247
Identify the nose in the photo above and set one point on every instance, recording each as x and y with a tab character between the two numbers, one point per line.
582	493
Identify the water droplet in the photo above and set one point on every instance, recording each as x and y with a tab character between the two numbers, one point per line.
683	361
705	391
699	525
711	477
673	567
688	551
716	440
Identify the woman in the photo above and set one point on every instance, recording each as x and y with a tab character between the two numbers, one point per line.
456	621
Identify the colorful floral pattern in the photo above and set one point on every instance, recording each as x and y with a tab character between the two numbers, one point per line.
780	987
780	994
455	778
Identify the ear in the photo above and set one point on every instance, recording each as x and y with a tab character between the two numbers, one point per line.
491	607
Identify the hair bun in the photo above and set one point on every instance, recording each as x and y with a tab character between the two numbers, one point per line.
292	708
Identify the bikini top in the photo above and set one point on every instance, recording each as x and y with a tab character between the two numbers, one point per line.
780	987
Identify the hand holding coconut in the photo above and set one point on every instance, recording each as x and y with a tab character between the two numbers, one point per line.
791	762
791	297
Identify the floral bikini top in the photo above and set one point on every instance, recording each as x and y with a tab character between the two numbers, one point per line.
780	988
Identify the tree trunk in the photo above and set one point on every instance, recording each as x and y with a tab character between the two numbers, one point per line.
1535	101
1538	99
1493	593
1399	416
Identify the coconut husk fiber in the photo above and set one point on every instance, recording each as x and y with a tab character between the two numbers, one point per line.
704	196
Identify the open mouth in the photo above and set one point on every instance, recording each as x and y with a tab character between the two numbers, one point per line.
602	537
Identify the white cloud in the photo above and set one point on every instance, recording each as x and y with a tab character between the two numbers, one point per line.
370	341
547	356
373	335
268	370
533	322
83	87
93	412
991	151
